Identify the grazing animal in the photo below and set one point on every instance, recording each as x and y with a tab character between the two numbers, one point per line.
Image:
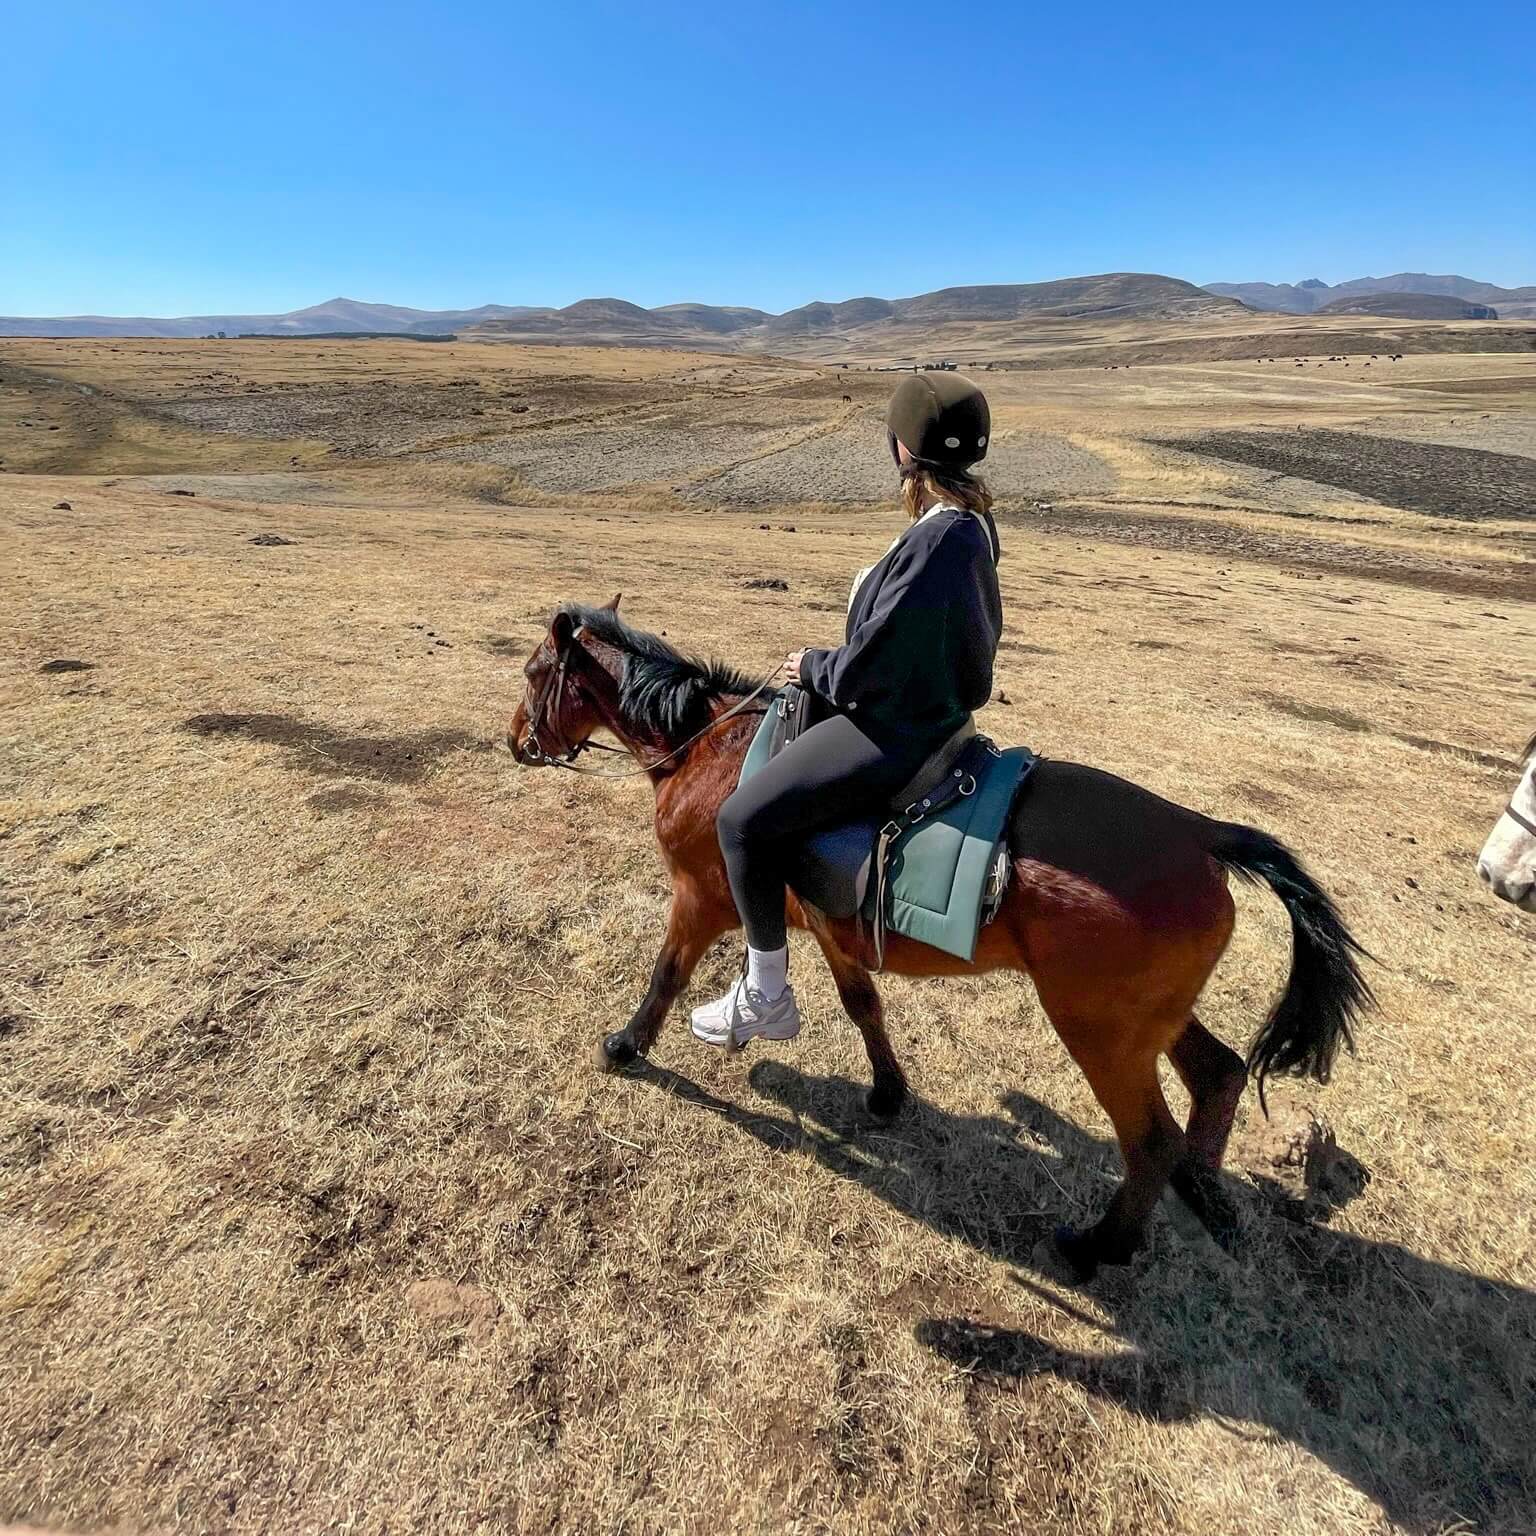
1117	908
1507	864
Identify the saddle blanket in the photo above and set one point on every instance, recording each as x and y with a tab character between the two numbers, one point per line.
938	869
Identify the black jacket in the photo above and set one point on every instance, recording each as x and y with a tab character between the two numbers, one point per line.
922	634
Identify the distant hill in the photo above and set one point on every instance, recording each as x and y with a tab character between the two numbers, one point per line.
618	322
1410	306
1108	295
335	315
1312	295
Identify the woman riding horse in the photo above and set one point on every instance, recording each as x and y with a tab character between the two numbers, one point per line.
1117	904
922	634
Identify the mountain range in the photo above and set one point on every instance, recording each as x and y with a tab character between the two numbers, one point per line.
1312	295
609	320
925	320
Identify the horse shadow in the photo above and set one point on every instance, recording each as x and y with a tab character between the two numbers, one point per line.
1412	1379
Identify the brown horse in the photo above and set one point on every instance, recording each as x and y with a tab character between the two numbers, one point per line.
1117	909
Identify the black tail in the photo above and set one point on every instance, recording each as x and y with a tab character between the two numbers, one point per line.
1326	991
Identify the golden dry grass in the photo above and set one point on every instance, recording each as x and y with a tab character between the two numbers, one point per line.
316	1214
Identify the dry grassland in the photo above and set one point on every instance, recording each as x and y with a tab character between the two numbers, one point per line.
315	1214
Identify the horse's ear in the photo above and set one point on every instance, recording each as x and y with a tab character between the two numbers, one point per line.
613	607
560	630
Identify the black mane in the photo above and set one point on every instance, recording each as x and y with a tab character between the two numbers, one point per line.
660	690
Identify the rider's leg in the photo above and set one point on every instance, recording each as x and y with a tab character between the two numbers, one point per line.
830	774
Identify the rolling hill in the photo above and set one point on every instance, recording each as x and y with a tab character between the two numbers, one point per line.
617	321
1410	306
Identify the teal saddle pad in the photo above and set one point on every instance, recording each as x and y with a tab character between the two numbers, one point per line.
938	869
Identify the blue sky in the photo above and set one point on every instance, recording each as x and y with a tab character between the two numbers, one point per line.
180	158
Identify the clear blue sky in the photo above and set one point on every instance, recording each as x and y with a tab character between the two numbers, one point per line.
162	158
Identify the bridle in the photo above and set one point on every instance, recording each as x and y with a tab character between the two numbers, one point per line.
541	717
1519	818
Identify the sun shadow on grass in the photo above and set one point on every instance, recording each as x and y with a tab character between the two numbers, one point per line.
333	754
1412	1379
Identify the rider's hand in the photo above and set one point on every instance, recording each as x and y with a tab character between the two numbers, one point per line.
791	667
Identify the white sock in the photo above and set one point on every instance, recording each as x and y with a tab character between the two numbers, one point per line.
768	971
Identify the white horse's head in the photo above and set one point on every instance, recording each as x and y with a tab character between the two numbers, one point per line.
1507	863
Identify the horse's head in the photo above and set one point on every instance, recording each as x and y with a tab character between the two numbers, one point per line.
1507	863
558	711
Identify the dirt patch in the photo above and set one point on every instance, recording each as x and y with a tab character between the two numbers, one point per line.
1364	562
1466	484
318	750
850	464
1297	1161
465	1310
1305	342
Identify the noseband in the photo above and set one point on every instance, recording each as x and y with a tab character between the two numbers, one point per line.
540	718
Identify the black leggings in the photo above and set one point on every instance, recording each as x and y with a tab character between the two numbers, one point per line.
830	774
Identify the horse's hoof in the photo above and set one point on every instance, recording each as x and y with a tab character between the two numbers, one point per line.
883	1102
616	1051
1075	1249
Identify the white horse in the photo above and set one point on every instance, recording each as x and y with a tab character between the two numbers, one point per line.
1507	863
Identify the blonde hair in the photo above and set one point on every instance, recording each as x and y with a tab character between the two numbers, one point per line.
924	486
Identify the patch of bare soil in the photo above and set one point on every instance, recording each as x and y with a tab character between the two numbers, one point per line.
673	444
1368	562
374	419
851	464
1466	484
1306	341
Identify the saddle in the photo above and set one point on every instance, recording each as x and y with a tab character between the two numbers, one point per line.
932	865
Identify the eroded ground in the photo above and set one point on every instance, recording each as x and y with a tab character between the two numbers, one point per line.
314	1211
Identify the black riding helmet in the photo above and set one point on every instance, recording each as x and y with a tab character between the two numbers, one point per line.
942	418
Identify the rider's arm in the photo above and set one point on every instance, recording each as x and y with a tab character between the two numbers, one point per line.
904	631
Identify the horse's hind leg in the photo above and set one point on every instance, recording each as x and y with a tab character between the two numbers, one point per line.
1151	1144
1214	1075
856	987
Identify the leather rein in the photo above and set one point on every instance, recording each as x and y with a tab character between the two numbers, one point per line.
541	718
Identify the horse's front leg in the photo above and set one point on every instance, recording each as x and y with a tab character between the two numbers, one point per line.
692	926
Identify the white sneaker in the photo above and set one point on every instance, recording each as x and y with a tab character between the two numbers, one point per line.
744	1014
